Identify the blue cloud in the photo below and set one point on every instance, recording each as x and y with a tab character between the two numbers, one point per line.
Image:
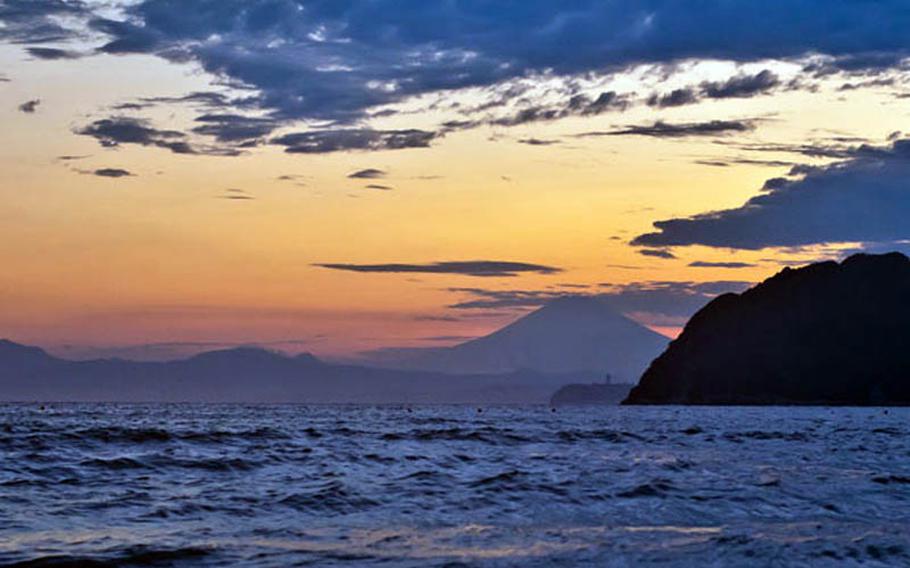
864	199
334	59
330	62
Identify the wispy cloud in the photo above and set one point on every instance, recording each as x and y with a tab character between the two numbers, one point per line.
708	264
661	129
738	86
112	173
52	53
657	253
368	173
481	268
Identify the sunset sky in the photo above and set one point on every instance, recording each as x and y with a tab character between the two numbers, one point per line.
338	176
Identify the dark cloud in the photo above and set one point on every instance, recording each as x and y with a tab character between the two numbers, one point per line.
30	107
38	21
112	173
347	140
223	108
861	62
726	162
537	142
235	129
203	98
577	105
657	253
335	60
864	199
880	82
838	148
368	173
111	132
380	187
338	61
677	97
295	178
483	268
123	130
236	195
52	53
741	86
661	129
707	264
131	106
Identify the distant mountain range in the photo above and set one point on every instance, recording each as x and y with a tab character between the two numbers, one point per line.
828	333
253	375
568	335
571	340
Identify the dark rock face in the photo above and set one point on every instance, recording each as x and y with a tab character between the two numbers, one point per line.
591	394
827	333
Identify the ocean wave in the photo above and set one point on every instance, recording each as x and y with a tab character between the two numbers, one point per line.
272	486
134	556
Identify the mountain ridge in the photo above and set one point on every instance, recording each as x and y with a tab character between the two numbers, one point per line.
250	375
827	333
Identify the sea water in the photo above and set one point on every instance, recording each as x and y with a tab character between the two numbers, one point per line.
283	485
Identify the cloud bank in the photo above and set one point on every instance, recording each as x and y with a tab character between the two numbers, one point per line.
333	60
864	199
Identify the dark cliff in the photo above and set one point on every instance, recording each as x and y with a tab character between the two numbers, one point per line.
827	333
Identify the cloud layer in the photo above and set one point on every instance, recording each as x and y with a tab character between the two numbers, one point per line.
333	60
864	199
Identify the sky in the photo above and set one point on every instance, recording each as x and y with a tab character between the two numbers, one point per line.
340	176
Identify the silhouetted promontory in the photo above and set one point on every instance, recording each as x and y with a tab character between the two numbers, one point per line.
827	333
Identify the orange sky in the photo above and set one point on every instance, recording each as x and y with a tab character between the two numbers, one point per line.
161	256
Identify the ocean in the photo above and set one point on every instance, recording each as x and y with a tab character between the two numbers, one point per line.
293	485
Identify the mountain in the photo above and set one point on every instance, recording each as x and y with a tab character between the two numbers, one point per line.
827	333
568	335
23	359
253	375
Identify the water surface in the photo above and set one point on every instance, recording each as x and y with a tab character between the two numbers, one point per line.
226	485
